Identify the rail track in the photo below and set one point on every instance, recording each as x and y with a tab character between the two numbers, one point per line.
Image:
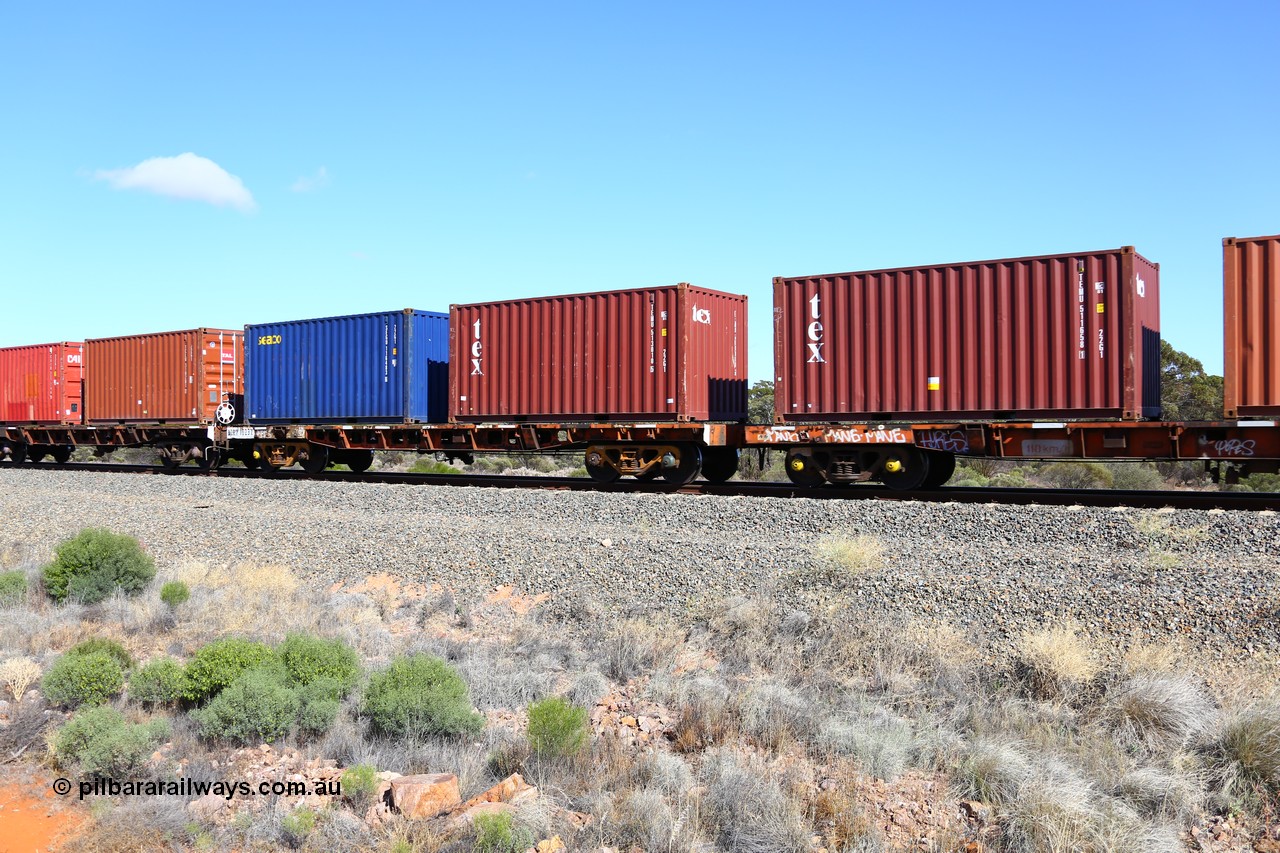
1255	501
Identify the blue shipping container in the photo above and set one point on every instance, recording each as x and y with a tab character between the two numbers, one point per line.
391	367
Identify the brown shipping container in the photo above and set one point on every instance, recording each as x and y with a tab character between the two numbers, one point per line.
657	354
164	377
1251	320
1069	336
41	384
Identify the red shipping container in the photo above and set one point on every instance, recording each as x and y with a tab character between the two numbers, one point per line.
1071	336
164	377
1251	320
41	384
656	354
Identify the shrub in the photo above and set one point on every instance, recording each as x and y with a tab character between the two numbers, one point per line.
13	588
95	563
749	808
1161	708
18	674
89	679
221	662
102	644
557	729
257	706
359	784
319	705
775	715
842	557
1078	475
296	826
158	682
420	695
1054	660
174	593
495	834
310	658
1249	745
101	742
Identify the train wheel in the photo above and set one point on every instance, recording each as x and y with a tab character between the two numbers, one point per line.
317	459
36	454
210	459
802	469
905	468
941	467
252	462
719	463
358	461
652	474
169	463
686	468
598	467
61	454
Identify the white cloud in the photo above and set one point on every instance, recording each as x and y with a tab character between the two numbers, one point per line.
187	176
307	183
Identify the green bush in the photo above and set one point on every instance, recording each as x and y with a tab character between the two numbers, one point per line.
297	826
557	729
359	784
221	662
174	593
102	644
101	742
95	563
1077	475
495	834
13	588
319	705
310	658
88	679
420	695
159	682
430	466
258	705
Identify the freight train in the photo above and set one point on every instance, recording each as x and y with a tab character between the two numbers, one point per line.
879	375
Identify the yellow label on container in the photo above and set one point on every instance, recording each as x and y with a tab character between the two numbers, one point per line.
935	383
664	333
1101	308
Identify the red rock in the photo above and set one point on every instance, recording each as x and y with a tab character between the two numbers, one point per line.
425	795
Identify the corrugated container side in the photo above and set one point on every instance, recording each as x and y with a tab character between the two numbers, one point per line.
390	367
1251	332
42	384
165	377
667	353
1067	336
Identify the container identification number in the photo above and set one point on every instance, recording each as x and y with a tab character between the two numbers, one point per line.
268	340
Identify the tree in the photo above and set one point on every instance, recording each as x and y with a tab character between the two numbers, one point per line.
1187	392
760	402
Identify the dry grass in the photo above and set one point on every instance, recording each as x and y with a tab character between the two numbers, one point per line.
258	601
637	646
1160	710
748	807
1055	662
839	560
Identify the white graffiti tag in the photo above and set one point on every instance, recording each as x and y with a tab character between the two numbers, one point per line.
954	441
1234	447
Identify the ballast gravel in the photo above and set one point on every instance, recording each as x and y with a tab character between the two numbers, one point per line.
1210	580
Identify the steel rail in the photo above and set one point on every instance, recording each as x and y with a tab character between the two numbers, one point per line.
1176	499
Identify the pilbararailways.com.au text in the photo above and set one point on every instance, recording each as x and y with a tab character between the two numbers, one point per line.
198	788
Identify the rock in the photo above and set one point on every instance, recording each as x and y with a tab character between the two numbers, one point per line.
512	789
550	845
206	807
425	795
377	814
465	816
975	811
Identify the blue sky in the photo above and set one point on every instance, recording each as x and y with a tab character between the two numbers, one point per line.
376	156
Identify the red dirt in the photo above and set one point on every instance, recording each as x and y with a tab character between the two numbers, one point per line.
33	819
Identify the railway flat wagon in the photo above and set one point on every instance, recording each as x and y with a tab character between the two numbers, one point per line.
1069	336
389	367
42	384
187	377
1251	333
668	354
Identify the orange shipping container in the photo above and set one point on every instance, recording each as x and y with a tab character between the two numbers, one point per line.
41	384
164	377
1251	320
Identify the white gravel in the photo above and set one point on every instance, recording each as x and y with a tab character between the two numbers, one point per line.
996	569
